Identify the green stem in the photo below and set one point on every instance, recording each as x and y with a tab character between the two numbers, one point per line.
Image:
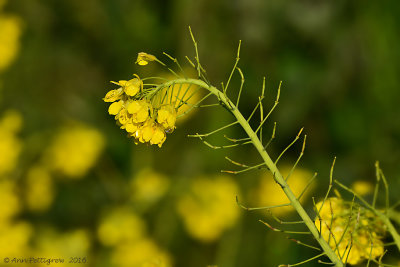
269	163
394	215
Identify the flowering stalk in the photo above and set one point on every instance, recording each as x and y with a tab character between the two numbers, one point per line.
268	162
148	111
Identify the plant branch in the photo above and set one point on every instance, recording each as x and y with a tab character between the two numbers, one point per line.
269	163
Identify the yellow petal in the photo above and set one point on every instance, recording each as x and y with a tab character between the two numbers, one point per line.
113	95
134	107
131	90
115	108
123	116
158	136
131	127
142	115
143	62
147	133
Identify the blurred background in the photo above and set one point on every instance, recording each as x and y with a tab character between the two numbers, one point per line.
73	186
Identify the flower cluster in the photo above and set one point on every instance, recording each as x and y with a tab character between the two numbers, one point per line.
142	119
355	234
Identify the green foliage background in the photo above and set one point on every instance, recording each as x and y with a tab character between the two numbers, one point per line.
338	60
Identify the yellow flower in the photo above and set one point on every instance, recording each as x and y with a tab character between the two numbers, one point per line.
123	116
209	208
113	95
376	249
362	187
146	132
74	150
349	234
269	193
158	136
115	107
144	58
131	127
330	206
139	109
354	254
167	117
120	226
131	87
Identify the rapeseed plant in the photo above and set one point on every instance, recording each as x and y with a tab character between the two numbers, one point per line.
147	108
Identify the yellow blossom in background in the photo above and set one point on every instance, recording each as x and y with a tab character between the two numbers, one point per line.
209	207
351	231
10	32
39	189
10	144
144	58
149	186
14	238
362	187
74	150
120	225
187	94
269	193
141	253
11	121
52	244
10	203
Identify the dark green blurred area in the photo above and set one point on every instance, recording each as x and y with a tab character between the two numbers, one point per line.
339	63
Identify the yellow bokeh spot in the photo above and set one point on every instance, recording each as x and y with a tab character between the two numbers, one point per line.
10	203
39	190
10	32
142	253
362	187
149	186
269	193
184	96
209	207
14	239
51	244
120	225
74	150
10	144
